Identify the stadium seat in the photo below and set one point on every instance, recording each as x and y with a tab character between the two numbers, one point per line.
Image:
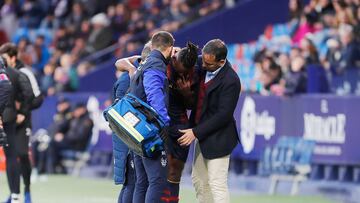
74	161
288	160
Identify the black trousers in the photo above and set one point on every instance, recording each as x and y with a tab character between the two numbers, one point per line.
17	157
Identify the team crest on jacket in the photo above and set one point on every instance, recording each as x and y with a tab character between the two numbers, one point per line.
163	159
132	164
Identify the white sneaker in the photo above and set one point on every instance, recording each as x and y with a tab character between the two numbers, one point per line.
15	198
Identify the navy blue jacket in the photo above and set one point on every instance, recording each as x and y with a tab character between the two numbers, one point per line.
120	150
6	89
150	84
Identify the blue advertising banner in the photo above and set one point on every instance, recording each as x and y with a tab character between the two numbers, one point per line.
331	121
95	102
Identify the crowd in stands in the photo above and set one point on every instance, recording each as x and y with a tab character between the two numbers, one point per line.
323	34
54	37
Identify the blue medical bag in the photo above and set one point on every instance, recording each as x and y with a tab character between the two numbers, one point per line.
137	124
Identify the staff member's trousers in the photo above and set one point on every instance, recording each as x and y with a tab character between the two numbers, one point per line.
210	178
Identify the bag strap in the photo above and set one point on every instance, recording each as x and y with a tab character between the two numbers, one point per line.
150	115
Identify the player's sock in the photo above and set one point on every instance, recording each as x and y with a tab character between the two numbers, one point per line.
174	191
27	197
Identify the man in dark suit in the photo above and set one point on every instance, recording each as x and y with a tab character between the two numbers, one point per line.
215	130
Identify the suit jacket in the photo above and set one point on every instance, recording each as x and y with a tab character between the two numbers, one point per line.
216	130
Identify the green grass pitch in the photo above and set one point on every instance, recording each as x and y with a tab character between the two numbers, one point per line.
65	189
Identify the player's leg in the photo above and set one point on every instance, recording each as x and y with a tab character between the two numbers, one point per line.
177	156
127	191
218	176
24	134
175	168
12	165
156	170
200	177
142	183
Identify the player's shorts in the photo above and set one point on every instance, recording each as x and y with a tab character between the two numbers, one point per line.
172	145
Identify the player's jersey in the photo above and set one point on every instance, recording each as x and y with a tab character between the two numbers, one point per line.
177	103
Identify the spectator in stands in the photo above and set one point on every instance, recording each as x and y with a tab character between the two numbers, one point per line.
78	51
271	73
60	125
118	18
295	9
345	17
62	41
74	20
306	25
48	22
61	9
47	81
26	52
84	68
75	138
132	22
31	13
294	82
8	18
210	6
101	35
42	54
326	13
350	54
333	53
65	75
284	62
357	26
136	22
309	51
84	30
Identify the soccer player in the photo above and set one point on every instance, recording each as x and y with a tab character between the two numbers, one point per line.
181	74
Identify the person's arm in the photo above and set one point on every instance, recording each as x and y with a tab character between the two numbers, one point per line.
155	93
5	92
27	93
122	85
125	64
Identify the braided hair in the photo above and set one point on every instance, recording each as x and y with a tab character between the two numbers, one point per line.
188	55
